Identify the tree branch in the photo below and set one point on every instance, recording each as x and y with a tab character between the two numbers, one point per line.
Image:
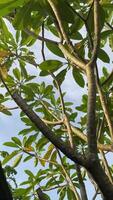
31	33
107	169
56	11
96	42
76	61
103	147
57	142
104	105
91	106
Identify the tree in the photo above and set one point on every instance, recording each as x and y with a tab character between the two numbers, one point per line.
68	143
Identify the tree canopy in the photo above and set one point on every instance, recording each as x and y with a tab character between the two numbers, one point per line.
66	141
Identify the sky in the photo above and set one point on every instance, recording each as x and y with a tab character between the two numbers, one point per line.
10	126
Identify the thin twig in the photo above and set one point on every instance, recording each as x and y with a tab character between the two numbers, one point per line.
68	177
105	163
29	32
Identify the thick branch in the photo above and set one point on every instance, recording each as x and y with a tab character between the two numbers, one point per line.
91	106
96	42
57	142
79	133
65	37
99	176
73	59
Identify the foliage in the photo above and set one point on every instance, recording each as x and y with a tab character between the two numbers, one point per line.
32	21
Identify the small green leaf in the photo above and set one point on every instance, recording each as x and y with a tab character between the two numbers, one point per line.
50	65
9	157
29	173
17	141
16	73
103	56
78	77
19	192
10	144
60	77
6	112
54	49
6	6
47	154
17	161
30	140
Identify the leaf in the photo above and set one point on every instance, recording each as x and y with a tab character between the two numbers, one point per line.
60	77
70	194
9	157
6	112
30	140
29	173
54	49
23	17
48	90
10	144
16	140
7	36
47	154
111	41
17	74
78	77
23	69
50	65
3	72
106	34
54	156
103	56
67	15
20	192
6	6
4	54
17	161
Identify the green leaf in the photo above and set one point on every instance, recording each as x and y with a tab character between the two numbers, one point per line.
30	140
10	144
48	90
6	112
17	74
103	56
30	174
54	156
44	73
68	15
78	77
8	36
23	17
9	157
50	65
106	34
105	72
20	192
70	194
47	154
54	49
6	6
111	41
17	161
60	77
16	140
